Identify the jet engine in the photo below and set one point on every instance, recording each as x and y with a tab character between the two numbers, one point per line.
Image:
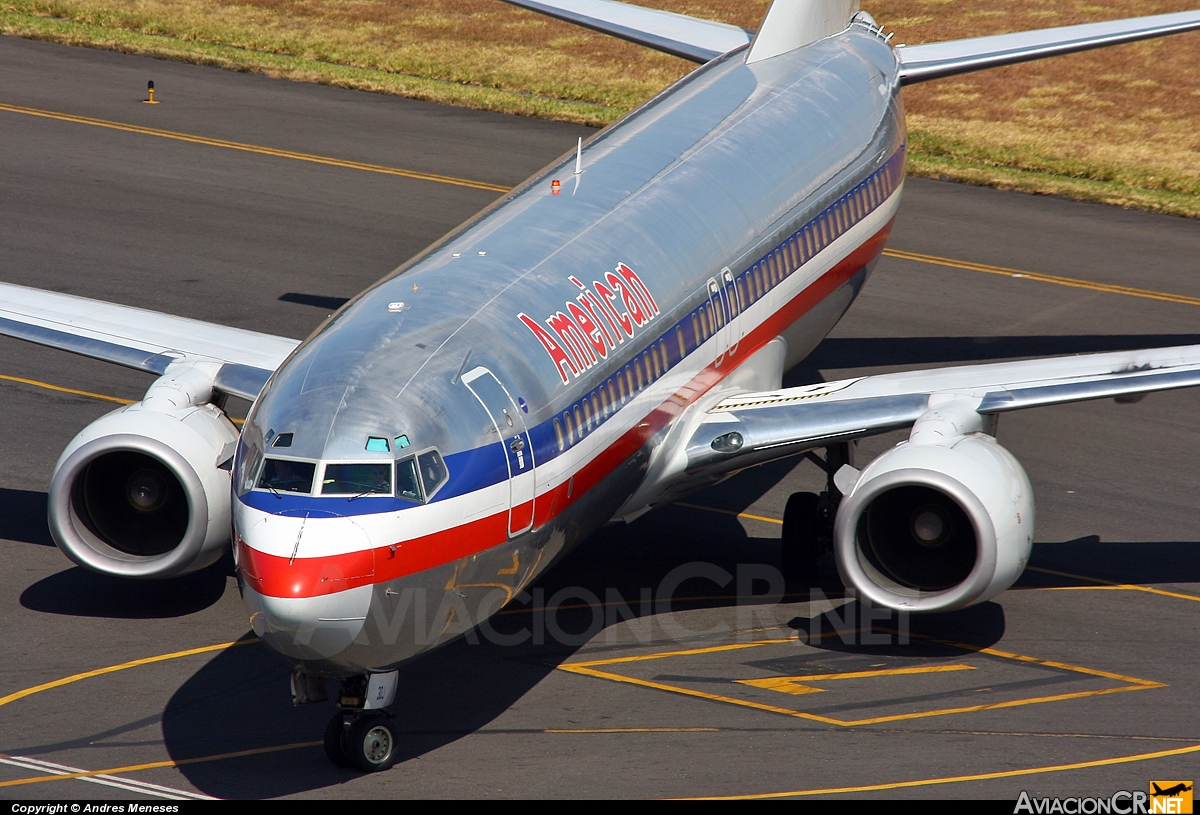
941	522
144	491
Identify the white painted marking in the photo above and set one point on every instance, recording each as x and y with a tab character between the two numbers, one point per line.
127	784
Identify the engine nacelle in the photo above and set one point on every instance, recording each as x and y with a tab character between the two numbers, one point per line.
141	492
936	526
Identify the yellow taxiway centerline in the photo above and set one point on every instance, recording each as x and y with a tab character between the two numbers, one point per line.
499	188
1108	584
929	782
61	389
67	680
1072	282
254	148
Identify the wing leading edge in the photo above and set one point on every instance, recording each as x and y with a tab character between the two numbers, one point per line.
774	424
137	338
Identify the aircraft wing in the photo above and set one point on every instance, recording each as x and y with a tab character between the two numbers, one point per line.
138	338
938	59
676	34
751	428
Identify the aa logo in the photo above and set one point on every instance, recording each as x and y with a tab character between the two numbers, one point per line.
1171	797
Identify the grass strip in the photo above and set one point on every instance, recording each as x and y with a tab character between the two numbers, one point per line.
302	69
522	77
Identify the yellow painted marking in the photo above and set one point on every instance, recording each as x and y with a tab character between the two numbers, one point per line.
58	683
783	684
645	683
118	400
1071	588
664	654
589	669
253	148
61	389
1108	584
154	765
731	512
794	684
928	782
634	730
516	564
1073	282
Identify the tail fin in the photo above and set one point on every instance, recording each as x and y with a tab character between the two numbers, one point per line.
790	24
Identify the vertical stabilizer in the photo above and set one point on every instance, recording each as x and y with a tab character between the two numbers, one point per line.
790	24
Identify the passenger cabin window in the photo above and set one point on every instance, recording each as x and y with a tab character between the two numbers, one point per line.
374	478
282	475
407	484
558	435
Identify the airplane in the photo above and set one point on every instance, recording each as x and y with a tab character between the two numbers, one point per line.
603	340
1170	792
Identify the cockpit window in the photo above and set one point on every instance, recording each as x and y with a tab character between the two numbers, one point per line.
250	467
433	471
357	479
407	484
283	475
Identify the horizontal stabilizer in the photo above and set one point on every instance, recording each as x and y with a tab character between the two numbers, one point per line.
920	63
141	339
676	34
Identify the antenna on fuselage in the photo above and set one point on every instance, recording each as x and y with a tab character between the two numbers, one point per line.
579	157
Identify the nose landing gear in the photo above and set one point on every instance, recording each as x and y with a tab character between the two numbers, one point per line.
361	739
361	733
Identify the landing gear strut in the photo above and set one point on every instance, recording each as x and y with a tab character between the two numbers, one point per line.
808	519
358	737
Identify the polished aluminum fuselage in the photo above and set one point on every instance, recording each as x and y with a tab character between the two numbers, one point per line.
701	186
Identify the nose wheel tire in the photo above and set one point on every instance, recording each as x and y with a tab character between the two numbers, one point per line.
335	741
371	744
799	544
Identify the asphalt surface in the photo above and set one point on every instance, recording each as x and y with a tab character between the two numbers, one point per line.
274	243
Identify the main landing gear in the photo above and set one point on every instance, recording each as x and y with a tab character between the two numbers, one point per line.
808	520
358	736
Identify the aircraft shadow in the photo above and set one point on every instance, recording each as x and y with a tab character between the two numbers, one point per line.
838	353
1150	563
23	517
240	700
317	300
80	592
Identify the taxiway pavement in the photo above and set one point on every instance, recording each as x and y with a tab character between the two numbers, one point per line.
1092	657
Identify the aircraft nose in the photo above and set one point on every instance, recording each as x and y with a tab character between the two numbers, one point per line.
309	607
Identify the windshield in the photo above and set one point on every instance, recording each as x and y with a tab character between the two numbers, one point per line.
357	479
283	475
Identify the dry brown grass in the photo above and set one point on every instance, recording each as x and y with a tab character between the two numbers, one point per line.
1128	115
1120	124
